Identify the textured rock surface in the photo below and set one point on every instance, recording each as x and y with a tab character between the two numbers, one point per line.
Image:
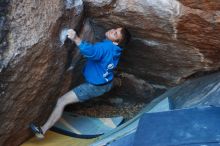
173	39
3	29
35	65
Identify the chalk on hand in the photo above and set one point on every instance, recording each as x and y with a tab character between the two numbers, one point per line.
63	36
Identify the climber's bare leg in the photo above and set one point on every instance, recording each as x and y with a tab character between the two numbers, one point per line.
68	98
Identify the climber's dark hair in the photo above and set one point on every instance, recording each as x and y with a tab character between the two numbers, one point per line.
126	36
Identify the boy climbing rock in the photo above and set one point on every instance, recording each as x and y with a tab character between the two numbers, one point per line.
102	59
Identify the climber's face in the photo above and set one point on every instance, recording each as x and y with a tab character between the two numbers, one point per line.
114	35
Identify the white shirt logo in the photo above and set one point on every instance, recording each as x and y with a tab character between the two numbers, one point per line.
110	67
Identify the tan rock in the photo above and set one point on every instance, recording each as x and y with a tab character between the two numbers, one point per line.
185	33
34	75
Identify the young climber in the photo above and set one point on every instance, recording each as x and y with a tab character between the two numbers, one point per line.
102	59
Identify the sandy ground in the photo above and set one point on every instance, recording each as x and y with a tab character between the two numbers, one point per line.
107	108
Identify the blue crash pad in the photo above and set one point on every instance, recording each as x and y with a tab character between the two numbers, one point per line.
126	140
83	126
202	91
157	105
196	126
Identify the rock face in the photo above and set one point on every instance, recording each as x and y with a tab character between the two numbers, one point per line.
3	28
172	40
34	65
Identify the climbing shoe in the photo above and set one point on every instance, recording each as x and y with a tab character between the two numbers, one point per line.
37	131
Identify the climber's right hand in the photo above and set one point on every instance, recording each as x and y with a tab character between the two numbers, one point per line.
71	34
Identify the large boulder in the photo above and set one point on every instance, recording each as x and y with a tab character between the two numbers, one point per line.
172	39
34	65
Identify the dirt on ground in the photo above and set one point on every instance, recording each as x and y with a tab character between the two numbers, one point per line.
111	107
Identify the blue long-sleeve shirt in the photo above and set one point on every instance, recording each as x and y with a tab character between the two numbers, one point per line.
102	58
